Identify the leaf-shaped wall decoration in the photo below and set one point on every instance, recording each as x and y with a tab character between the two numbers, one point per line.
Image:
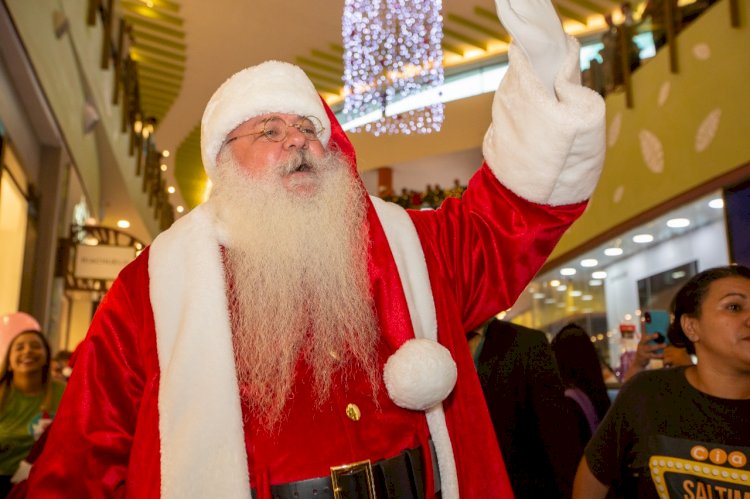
707	130
614	130
664	92
652	151
701	51
617	195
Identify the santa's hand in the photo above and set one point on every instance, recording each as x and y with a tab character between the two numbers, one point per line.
535	27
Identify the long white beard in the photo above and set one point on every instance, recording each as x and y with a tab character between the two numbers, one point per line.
299	282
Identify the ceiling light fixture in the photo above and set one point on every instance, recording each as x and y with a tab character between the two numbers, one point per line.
678	223
614	251
589	262
568	271
392	50
599	274
716	203
643	238
123	224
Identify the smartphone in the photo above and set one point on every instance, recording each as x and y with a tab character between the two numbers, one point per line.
657	321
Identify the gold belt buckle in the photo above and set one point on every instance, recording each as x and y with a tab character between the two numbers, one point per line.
348	469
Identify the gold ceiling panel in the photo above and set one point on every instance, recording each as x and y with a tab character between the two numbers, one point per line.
157	46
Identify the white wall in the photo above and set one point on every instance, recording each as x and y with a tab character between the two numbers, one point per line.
441	170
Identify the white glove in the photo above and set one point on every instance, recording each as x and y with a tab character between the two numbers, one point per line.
535	27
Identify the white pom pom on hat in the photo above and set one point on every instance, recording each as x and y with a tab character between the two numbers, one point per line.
420	374
269	87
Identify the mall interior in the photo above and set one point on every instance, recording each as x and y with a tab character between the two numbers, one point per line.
101	102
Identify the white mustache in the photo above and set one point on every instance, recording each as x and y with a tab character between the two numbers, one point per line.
303	161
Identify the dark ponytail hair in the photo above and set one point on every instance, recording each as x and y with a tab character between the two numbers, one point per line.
689	300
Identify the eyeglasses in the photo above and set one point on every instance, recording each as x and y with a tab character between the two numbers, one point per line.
275	129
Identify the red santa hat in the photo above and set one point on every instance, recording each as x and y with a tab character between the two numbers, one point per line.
269	87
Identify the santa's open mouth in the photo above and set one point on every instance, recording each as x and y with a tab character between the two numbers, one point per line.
304	167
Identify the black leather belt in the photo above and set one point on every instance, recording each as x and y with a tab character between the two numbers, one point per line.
400	477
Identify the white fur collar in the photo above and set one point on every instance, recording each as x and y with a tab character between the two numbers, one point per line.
200	417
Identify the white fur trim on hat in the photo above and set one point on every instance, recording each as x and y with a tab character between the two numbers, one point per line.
269	87
420	374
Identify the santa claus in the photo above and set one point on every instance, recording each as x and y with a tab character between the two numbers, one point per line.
293	337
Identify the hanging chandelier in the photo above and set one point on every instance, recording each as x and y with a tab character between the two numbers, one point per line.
393	65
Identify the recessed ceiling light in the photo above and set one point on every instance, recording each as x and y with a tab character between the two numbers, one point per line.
180	209
678	223
589	262
561	287
576	292
643	238
170	189
554	283
549	301
613	251
123	224
595	282
165	153
568	271
599	274
163	167
587	297
678	274
716	203
538	296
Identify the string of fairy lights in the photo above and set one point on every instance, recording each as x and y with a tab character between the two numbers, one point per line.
392	50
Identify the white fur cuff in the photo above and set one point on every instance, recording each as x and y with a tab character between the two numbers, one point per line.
420	375
548	149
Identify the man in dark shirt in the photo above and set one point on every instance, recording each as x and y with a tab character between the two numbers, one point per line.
537	433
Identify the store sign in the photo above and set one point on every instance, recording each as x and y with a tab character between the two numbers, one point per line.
102	262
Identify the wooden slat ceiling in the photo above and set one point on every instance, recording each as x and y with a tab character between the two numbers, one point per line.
159	47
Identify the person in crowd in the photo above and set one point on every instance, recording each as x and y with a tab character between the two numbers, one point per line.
661	13
670	356
537	431
581	373
60	366
611	54
292	336
683	432
28	398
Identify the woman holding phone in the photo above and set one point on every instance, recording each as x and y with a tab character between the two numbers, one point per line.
655	344
683	432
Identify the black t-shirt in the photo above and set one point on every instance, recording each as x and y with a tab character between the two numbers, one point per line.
662	438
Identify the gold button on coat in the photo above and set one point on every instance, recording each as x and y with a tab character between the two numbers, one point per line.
353	412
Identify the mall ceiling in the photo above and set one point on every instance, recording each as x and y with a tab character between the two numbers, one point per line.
186	49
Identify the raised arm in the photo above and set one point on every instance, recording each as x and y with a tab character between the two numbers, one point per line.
543	155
